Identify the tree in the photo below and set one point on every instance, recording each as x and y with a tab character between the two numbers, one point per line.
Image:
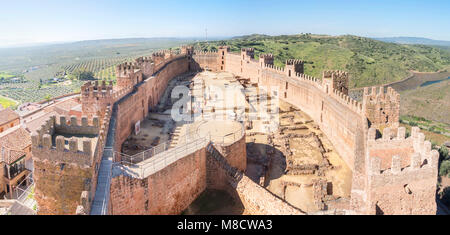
82	74
443	153
48	97
444	170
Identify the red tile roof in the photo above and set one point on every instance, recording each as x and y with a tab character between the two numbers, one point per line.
7	115
13	142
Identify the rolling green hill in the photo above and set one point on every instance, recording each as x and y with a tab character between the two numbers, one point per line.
369	62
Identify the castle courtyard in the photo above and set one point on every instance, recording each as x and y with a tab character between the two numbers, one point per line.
289	160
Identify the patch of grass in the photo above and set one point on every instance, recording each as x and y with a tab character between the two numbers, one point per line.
430	102
7	102
435	138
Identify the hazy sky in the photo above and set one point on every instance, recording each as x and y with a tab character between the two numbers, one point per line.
32	21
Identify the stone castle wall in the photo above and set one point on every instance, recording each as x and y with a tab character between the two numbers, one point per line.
205	60
136	105
167	192
61	174
402	174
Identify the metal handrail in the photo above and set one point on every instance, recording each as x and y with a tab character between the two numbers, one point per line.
164	158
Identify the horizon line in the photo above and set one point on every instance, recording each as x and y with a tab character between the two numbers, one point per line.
213	38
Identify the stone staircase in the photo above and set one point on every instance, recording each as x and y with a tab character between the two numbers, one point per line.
234	174
175	137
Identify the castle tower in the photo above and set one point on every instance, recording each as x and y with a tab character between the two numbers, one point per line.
128	74
158	57
146	65
265	59
96	98
66	157
293	67
187	50
336	80
381	109
247	53
402	173
223	52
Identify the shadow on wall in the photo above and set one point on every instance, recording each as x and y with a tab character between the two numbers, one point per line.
260	159
215	202
194	66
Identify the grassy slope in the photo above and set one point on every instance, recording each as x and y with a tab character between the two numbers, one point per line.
431	102
6	102
369	62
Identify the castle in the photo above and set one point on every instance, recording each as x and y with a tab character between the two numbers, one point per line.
79	168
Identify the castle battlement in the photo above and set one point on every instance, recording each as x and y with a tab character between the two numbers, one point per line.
93	89
382	108
187	50
400	150
402	172
337	80
248	53
266	59
347	100
200	52
334	74
158	54
226	48
294	66
274	68
69	141
294	62
127	69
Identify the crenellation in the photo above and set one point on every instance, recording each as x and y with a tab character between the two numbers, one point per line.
416	161
47	141
60	143
294	66
73	145
382	109
337	80
401	133
387	133
375	166
396	164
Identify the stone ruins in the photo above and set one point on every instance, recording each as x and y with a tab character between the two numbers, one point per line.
315	150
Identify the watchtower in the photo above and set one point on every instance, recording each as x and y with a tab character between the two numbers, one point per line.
402	173
337	80
223	52
96	98
66	157
381	109
247	53
265	59
128	74
294	67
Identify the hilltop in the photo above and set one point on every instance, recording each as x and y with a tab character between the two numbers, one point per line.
369	61
415	40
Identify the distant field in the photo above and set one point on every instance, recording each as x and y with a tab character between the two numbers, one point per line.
431	102
6	102
38	65
6	75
